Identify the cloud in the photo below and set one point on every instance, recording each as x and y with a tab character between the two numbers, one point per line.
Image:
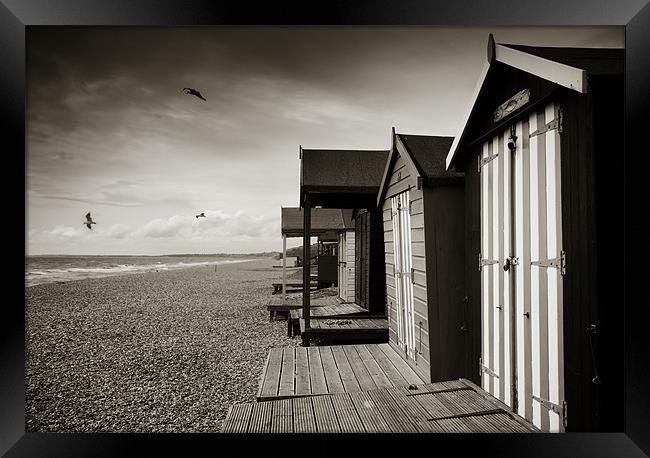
215	226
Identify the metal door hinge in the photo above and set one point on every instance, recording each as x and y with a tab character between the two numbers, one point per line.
556	263
484	369
485	160
554	124
485	262
412	275
560	409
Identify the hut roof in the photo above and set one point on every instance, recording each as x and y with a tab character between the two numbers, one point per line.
322	220
427	153
566	67
341	172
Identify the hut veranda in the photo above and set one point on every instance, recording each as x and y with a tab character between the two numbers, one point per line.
324	221
541	149
348	179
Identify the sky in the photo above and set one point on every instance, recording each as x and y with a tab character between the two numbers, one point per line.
109	130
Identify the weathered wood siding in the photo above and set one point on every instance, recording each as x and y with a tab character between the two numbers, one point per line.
403	178
445	242
369	269
349	259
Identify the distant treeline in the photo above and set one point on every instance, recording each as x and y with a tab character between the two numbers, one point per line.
297	251
266	254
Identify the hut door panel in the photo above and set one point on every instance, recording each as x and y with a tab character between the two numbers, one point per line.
343	280
521	230
403	273
539	230
496	288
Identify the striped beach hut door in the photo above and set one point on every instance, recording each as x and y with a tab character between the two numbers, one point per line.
522	267
343	277
403	273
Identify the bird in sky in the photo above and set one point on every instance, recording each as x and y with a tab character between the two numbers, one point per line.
89	221
190	91
201	215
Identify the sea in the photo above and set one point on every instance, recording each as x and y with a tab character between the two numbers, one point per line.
63	268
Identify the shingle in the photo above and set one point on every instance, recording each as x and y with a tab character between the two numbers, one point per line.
429	153
343	169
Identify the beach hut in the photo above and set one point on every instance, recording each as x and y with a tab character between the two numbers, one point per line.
325	224
541	147
423	222
348	179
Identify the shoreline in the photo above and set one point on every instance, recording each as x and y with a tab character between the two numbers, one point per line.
101	272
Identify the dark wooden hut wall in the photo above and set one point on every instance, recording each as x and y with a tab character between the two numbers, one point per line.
609	128
445	270
472	299
369	269
592	183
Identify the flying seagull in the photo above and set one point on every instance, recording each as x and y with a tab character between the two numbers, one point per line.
89	221
201	215
191	91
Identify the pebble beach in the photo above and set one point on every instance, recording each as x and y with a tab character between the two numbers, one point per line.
165	351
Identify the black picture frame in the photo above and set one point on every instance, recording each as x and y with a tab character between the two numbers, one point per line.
17	15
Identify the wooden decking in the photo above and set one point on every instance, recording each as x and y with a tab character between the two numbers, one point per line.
307	371
292	287
346	330
342	310
293	302
445	407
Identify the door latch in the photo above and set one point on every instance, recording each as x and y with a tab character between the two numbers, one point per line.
510	260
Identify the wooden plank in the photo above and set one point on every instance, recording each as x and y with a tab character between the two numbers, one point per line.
391	413
272	374
325	415
554	246
370	416
261	417
262	378
282	418
406	371
387	366
316	373
529	426
486	425
348	377
238	418
361	373
332	375
418	414
374	369
346	413
303	384
287	376
303	415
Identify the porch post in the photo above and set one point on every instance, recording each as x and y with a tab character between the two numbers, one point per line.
306	266
284	268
